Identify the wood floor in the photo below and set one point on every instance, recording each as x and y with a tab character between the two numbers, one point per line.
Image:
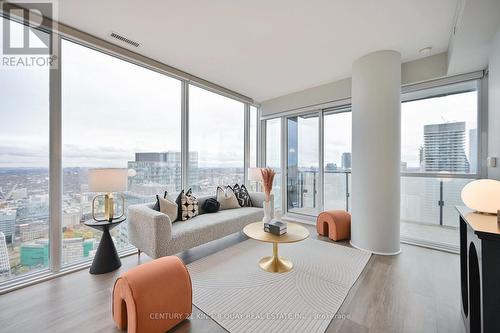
416	291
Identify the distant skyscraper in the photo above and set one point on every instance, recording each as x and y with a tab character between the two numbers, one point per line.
32	231
35	253
444	148
346	161
473	150
72	250
159	171
330	167
4	257
8	224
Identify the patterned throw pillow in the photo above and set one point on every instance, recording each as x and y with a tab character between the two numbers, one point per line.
188	205
242	195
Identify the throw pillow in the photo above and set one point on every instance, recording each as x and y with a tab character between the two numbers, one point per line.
211	205
188	205
242	195
227	198
168	207
157	204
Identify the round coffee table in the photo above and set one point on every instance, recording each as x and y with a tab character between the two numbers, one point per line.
275	263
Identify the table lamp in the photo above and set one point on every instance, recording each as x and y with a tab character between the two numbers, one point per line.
108	180
483	196
254	174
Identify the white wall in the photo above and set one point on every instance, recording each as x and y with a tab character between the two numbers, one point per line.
325	93
494	105
411	72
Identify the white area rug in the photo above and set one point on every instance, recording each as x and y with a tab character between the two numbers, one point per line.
230	287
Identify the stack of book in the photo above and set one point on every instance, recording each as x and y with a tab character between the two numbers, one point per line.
275	227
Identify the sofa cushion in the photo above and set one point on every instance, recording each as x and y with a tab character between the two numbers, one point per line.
227	198
242	195
168	207
211	205
207	227
187	205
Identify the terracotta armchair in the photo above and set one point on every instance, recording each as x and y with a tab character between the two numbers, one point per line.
153	297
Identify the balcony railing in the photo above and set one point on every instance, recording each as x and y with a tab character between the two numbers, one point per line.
429	200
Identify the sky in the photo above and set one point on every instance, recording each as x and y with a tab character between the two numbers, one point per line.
112	109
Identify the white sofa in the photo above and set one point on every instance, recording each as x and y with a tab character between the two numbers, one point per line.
153	233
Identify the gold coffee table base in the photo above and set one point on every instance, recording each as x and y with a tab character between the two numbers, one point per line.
275	263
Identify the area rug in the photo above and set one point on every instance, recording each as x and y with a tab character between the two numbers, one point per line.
230	287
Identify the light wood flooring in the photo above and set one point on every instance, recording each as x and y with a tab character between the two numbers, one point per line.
416	291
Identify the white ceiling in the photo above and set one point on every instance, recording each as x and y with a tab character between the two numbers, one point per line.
261	48
470	45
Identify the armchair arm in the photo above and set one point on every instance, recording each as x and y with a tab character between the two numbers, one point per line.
149	230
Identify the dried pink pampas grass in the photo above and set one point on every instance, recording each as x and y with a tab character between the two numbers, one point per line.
267	181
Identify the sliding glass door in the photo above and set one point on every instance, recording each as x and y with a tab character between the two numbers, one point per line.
273	156
337	160
439	156
303	183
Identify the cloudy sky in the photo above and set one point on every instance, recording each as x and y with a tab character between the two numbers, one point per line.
112	109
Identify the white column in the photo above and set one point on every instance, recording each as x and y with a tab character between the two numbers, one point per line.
376	145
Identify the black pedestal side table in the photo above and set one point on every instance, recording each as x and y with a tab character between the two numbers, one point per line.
106	258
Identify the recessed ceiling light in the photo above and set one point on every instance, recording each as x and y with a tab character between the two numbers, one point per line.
425	51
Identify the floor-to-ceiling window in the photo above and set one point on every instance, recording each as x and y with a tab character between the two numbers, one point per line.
216	141
337	158
303	183
24	166
115	114
273	156
439	156
252	158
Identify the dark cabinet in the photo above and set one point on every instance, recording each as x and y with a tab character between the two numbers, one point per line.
479	271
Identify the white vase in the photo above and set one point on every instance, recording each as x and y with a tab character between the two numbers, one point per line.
267	211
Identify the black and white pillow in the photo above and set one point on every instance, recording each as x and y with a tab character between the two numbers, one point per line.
187	205
242	195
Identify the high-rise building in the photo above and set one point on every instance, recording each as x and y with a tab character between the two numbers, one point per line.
473	150
72	249
32	231
444	148
8	224
160	171
4	257
35	253
346	161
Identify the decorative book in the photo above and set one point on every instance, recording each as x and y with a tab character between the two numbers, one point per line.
275	227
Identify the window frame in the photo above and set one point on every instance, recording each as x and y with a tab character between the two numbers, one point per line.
344	105
406	96
55	267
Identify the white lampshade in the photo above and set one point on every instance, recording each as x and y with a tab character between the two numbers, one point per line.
254	174
108	180
482	195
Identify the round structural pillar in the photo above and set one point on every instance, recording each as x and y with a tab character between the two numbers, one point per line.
376	152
